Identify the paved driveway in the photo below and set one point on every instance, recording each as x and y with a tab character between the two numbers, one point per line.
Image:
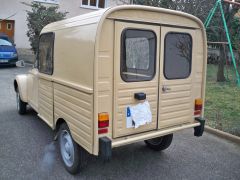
28	152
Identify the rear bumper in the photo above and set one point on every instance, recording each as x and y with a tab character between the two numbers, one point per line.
152	134
198	131
9	62
106	144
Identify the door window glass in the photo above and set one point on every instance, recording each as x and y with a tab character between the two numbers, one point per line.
45	54
138	55
178	55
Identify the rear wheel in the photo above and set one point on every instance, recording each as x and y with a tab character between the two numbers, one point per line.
160	143
73	156
21	106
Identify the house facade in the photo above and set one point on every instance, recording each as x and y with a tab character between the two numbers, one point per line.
13	15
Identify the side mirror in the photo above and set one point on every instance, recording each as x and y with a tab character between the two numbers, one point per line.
20	63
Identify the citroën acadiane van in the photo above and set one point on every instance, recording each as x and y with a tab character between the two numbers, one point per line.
117	76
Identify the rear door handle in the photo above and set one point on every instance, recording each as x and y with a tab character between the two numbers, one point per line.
140	96
165	88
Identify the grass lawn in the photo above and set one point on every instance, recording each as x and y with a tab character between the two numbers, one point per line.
222	108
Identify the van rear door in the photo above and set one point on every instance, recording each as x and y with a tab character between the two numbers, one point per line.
136	71
176	101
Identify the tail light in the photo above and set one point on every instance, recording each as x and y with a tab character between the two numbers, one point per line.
103	123
102	131
198	107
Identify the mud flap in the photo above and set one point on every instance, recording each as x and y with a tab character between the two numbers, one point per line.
198	131
105	148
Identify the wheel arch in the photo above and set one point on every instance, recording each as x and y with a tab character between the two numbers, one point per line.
58	123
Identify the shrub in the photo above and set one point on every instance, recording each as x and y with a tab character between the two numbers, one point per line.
39	17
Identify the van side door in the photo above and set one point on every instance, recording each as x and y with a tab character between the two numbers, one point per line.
177	73
45	83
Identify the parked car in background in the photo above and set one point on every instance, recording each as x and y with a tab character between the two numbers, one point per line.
8	53
6	37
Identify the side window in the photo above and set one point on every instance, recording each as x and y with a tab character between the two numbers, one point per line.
177	55
138	55
45	53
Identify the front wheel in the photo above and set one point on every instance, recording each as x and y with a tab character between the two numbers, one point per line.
71	153
160	143
21	106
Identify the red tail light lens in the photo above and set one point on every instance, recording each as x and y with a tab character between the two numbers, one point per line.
102	131
198	107
197	113
102	124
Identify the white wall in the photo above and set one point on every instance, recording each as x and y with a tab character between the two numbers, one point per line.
11	7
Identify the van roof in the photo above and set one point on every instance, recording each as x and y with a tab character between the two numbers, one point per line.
98	16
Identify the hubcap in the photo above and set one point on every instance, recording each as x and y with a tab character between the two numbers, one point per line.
67	148
155	141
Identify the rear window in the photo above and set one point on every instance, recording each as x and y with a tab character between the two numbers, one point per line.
138	55
177	55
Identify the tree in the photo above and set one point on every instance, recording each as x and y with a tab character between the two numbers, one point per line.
236	32
39	17
220	34
201	9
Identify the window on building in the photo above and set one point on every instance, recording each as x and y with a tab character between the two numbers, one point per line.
9	26
138	55
48	1
177	55
94	3
45	53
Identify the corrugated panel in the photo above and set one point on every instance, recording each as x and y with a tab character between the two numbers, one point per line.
76	108
45	102
176	106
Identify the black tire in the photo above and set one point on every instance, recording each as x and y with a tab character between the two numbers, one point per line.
160	143
21	106
79	154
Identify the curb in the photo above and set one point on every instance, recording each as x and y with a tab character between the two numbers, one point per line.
222	134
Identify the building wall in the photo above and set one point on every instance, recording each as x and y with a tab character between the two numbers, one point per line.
17	10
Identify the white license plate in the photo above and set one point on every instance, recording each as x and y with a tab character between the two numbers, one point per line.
3	60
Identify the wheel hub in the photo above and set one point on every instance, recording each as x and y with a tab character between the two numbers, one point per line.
67	148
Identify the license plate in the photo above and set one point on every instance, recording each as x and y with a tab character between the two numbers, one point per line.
3	60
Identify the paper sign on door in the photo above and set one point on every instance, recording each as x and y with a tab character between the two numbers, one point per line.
138	115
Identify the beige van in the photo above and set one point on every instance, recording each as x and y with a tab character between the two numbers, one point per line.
115	77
